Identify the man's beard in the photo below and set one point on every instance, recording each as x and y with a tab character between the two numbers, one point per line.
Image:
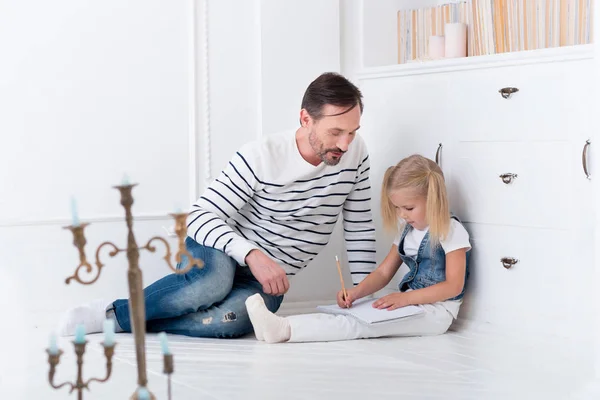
317	146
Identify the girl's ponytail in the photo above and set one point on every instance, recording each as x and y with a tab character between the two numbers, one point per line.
438	213
388	210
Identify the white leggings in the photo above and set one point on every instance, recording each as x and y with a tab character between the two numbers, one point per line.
435	320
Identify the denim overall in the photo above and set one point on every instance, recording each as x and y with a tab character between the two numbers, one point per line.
427	268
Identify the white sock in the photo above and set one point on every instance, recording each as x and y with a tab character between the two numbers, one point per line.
274	329
257	326
91	316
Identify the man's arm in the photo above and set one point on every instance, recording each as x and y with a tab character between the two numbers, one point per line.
207	221
359	229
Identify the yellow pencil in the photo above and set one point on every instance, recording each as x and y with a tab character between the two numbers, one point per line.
341	278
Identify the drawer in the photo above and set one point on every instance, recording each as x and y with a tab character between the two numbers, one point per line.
541	194
553	99
551	281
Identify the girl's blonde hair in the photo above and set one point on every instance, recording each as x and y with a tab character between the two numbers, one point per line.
427	179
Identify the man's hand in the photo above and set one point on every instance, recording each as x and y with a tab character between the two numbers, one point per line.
268	273
392	301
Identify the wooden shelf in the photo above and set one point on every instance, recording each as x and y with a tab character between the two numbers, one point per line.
555	54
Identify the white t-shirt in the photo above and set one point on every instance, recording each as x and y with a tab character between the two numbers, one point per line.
458	238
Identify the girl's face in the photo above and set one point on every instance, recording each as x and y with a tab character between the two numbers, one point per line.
411	207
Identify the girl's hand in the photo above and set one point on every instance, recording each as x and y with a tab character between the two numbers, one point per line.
346	302
392	301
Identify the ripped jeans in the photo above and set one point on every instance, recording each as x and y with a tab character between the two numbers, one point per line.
206	302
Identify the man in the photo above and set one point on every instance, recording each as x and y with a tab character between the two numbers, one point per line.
268	214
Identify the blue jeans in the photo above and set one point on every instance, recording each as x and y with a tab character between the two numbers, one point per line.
206	302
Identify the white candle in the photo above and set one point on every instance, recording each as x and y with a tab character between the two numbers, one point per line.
109	332
164	343
125	180
53	348
436	47
79	334
74	216
456	40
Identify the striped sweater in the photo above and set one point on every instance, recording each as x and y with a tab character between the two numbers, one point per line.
269	198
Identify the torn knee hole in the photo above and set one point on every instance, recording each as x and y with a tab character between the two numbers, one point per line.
229	317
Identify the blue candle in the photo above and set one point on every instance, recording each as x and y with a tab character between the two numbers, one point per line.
163	343
143	394
80	334
53	348
74	215
109	332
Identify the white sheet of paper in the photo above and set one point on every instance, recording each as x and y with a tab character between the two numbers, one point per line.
364	311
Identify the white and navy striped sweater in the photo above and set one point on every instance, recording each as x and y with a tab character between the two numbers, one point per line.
269	198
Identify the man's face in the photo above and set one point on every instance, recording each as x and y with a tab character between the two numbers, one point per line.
331	135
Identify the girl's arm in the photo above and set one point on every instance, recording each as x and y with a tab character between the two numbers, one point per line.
456	262
377	279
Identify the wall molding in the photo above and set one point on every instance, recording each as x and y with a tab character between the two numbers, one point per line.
200	168
96	219
193	101
205	86
259	78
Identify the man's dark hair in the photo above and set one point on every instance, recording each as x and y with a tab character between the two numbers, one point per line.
331	88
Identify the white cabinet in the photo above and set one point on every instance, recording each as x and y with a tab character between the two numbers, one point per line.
515	172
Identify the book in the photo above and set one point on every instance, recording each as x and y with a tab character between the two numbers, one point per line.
364	311
497	26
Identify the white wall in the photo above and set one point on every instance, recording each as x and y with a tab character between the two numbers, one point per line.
299	41
234	78
89	91
95	90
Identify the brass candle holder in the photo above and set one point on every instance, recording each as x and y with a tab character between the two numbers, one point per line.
79	385
168	370
137	307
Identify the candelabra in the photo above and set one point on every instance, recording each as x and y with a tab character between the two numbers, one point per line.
79	385
137	308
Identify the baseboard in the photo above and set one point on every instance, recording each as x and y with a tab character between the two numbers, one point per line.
483	329
300	307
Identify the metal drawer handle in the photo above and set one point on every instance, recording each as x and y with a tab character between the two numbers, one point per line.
584	158
508	262
508	91
437	154
508	177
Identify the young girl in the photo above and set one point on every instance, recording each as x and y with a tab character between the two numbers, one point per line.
431	242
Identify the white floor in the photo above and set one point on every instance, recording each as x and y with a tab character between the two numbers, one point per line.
458	365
